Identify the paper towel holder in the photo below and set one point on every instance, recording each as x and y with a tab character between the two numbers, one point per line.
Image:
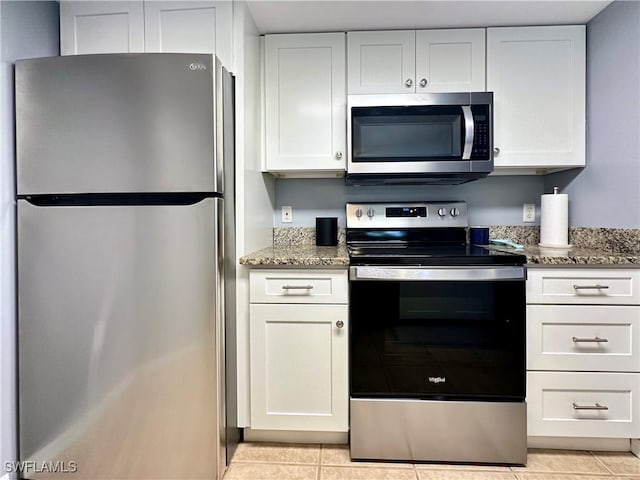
552	247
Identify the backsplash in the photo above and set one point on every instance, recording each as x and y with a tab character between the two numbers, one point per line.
283	236
617	240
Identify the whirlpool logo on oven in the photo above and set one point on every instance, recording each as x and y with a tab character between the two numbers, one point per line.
437	379
197	66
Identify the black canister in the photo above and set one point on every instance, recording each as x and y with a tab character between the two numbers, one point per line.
326	231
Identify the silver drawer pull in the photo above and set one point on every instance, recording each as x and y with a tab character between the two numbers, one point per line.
597	406
590	287
297	287
590	340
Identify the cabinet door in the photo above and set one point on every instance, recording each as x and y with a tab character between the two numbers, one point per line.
305	102
450	60
382	62
299	367
537	75
189	27
101	27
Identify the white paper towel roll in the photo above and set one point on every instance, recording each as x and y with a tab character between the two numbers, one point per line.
554	220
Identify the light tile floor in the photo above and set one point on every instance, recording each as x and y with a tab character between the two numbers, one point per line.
268	461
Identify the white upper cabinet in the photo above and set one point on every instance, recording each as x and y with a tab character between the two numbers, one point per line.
189	27
450	60
381	62
149	26
409	61
305	104
101	27
537	75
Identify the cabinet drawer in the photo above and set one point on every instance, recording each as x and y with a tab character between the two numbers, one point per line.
299	286
583	338
572	404
583	286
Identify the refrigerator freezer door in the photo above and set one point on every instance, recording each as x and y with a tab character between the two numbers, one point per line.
120	340
116	123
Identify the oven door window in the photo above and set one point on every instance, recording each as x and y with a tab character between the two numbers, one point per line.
435	340
406	134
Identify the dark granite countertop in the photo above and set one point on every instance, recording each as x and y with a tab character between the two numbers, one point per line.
298	256
572	256
295	247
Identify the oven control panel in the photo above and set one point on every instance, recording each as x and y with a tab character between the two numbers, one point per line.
407	215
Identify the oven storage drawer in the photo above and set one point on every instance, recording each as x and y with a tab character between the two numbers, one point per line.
583	286
298	286
570	404
583	338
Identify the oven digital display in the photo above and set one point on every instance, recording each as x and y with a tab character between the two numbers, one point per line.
395	212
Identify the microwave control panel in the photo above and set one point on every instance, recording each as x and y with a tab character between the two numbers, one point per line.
481	132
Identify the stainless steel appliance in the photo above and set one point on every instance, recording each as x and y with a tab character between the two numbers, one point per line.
437	339
124	185
439	138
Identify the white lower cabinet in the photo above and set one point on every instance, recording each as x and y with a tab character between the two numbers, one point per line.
298	355
583	353
583	404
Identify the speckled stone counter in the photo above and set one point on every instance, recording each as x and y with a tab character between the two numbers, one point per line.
591	246
298	256
295	247
572	256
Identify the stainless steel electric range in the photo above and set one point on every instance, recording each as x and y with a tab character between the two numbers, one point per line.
437	340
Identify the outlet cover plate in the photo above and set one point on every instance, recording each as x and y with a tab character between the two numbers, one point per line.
529	212
287	214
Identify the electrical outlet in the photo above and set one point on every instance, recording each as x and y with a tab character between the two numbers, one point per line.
529	212
287	214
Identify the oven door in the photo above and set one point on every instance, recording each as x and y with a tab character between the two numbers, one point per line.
454	333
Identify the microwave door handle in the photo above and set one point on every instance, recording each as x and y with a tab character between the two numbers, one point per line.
468	132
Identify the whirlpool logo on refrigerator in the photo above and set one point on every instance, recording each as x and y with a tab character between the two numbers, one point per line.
437	379
197	66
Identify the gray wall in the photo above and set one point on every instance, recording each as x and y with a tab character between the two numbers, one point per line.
606	193
27	30
491	201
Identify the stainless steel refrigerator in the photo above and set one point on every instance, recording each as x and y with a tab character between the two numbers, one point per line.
124	239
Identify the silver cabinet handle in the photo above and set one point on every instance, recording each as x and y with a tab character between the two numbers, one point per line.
339	324
409	83
496	151
424	82
297	287
589	340
339	155
590	287
597	406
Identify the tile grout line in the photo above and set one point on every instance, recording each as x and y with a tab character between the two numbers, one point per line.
595	457
319	472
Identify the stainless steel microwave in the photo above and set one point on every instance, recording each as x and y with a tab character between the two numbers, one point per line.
437	138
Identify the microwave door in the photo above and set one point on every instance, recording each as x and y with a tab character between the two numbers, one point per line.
468	132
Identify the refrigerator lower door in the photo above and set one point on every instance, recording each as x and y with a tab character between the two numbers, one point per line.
120	341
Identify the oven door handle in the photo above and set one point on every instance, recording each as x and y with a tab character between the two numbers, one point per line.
446	274
468	132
